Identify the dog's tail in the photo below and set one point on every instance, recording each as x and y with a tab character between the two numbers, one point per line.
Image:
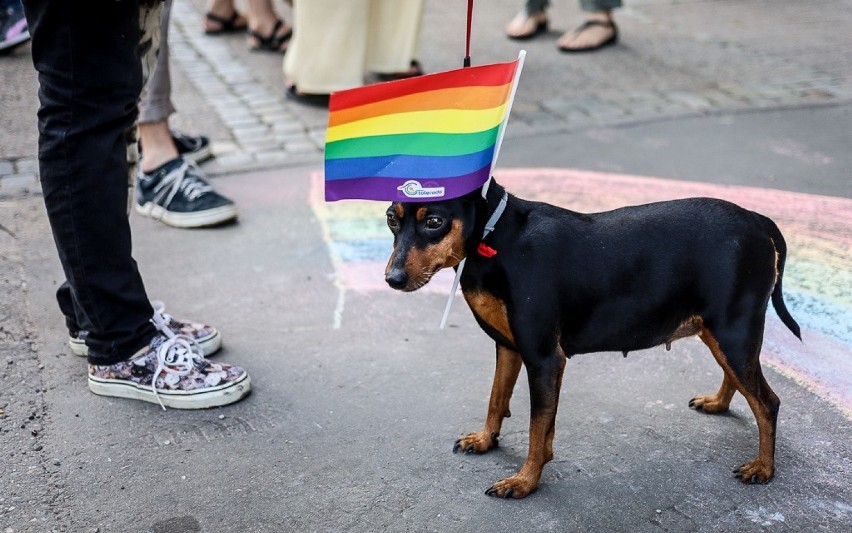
777	296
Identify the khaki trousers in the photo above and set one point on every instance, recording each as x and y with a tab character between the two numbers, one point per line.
335	42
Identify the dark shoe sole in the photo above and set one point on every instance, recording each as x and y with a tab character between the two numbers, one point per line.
314	100
415	69
609	42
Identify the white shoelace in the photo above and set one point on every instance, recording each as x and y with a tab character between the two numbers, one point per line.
160	307
177	355
182	180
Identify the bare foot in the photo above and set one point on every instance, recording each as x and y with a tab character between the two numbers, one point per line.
598	31
526	26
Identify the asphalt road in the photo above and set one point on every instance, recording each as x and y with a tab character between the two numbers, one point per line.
358	396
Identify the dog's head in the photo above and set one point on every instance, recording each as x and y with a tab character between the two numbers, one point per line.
427	237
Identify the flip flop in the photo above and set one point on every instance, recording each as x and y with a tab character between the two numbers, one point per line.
226	25
613	39
540	27
416	69
314	100
272	42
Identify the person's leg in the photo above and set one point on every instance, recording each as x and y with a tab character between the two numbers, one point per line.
88	58
598	30
92	60
165	177
329	46
67	306
164	144
536	6
393	35
531	21
156	106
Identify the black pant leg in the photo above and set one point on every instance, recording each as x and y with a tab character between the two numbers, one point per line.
67	306
87	55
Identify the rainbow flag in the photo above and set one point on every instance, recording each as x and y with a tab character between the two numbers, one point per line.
429	137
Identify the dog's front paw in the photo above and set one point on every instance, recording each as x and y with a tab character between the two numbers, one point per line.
756	471
512	487
479	442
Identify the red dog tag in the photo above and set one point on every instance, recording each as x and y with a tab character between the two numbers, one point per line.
486	251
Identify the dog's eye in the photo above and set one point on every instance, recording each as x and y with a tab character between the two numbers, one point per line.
434	222
393	221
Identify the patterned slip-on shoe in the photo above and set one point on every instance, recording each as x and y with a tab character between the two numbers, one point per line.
172	372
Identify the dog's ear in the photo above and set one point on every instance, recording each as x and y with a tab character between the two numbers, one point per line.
470	204
472	196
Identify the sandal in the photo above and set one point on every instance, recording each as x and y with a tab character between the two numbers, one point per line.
314	100
415	69
533	24
611	40
234	23
272	42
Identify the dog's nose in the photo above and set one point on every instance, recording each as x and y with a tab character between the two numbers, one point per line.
396	278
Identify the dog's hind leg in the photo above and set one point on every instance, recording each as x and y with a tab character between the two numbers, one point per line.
545	379
709	403
505	376
738	355
717	403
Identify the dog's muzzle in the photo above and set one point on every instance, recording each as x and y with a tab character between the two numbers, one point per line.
396	278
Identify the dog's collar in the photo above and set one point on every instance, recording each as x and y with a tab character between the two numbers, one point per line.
483	249
495	216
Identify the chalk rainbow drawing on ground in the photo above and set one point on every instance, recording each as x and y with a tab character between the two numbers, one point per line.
817	280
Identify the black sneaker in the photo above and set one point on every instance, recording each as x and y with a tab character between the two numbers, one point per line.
178	194
193	147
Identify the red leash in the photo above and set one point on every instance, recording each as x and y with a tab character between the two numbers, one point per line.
467	43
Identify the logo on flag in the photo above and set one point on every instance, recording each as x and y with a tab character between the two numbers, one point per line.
433	136
413	189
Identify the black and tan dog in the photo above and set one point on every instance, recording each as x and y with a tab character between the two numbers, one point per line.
549	283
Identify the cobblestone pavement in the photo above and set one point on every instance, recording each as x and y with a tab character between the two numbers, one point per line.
678	58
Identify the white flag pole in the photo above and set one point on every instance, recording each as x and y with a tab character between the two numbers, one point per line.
452	294
521	55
